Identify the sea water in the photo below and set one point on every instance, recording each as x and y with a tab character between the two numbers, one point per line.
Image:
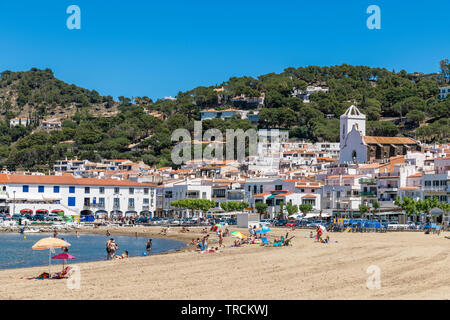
16	252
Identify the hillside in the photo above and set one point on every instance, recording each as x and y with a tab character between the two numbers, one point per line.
37	94
140	129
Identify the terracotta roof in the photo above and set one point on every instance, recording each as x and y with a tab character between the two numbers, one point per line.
283	194
347	176
370	166
66	180
309	196
415	175
388	140
306	186
409	188
262	194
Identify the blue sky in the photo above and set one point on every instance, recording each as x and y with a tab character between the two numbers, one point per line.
156	48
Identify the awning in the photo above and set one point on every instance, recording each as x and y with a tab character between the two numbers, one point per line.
26	210
57	211
42	210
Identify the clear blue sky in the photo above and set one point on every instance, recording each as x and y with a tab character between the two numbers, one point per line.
157	48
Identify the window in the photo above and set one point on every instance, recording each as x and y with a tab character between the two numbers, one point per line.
309	201
71	189
87	190
71	201
427	183
203	195
102	190
55	189
25	188
278	187
41	189
260	189
131	203
145	202
131	190
145	190
101	202
116	190
87	201
116	202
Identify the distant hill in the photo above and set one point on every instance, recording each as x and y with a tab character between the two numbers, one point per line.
38	94
307	100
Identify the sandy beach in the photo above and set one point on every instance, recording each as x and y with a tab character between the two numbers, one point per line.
413	266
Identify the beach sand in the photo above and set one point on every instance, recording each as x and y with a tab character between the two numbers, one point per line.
413	266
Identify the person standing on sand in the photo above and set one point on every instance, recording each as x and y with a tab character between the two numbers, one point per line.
220	238
55	233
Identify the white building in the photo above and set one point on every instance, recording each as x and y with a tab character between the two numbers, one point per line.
305	94
443	92
356	147
77	195
18	122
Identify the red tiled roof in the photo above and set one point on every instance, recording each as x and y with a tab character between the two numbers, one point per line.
67	180
262	194
415	175
309	196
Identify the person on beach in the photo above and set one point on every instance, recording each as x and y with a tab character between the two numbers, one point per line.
227	232
107	233
148	247
55	233
65	249
221	238
108	249
76	233
113	248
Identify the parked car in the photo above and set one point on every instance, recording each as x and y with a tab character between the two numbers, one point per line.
40	217
280	223
142	220
54	217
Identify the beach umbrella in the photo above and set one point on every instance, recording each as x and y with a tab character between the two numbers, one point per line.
238	234
63	257
218	225
265	228
50	244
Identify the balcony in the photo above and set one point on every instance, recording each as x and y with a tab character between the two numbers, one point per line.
93	206
369	181
435	188
368	194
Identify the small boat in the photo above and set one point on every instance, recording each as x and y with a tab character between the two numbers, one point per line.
31	230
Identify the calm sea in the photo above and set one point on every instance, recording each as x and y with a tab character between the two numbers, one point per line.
16	252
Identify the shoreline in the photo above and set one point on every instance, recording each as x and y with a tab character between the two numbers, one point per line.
123	231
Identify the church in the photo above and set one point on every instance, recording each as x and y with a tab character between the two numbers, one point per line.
356	147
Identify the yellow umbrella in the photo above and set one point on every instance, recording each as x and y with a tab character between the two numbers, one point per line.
238	234
49	243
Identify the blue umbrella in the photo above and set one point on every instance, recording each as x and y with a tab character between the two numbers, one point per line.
265	228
